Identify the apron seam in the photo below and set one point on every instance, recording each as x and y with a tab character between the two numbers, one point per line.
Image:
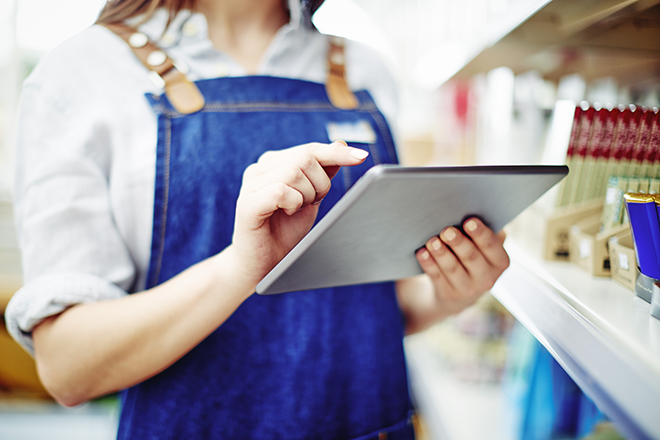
378	117
264	107
166	192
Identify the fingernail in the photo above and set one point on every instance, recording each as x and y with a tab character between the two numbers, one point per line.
449	234
342	142
470	226
424	255
435	244
359	153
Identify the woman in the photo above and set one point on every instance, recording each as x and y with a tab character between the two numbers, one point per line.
187	210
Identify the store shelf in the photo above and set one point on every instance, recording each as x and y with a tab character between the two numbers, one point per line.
601	334
616	38
480	41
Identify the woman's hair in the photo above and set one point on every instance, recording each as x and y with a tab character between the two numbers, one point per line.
116	11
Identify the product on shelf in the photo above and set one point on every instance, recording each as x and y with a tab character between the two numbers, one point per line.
605	142
643	213
588	247
651	162
579	155
567	183
614	213
598	185
623	263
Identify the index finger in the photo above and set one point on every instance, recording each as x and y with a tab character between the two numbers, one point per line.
335	154
489	243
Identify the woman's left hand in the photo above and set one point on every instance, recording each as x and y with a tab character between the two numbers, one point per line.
461	268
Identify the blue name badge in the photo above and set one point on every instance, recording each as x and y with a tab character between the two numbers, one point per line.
359	131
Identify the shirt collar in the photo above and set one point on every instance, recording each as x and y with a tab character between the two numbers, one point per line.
192	26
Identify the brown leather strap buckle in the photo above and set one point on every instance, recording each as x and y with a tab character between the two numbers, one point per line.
336	86
183	94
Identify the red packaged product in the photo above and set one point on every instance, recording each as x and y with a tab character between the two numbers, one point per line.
577	164
565	187
641	143
629	141
588	184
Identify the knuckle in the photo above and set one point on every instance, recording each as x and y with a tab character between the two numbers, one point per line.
324	186
292	174
265	157
473	255
451	268
433	273
492	241
249	172
280	191
306	161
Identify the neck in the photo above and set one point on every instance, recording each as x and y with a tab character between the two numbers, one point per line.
244	28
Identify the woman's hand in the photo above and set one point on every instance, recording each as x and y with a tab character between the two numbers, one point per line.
461	268
132	338
279	199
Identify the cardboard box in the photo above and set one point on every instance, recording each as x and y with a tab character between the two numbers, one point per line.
623	264
558	225
588	246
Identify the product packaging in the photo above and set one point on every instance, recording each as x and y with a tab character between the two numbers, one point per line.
623	265
579	156
628	140
565	185
641	143
601	177
613	206
586	189
588	246
557	227
618	142
652	149
645	226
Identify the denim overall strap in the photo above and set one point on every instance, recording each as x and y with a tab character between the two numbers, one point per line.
325	364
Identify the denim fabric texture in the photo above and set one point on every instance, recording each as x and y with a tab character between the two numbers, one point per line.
327	364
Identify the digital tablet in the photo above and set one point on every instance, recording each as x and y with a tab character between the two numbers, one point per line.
373	231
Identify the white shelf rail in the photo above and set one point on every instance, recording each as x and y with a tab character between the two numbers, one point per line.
602	335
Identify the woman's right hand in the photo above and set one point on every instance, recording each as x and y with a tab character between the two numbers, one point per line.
279	199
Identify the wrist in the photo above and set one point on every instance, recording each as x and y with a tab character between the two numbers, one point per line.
233	272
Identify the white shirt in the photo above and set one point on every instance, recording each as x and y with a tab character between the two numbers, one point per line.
86	153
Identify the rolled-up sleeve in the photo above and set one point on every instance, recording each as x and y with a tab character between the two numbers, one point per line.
72	251
51	294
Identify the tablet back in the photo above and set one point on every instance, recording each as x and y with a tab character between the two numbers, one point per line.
372	233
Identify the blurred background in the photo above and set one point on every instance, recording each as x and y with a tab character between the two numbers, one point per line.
481	82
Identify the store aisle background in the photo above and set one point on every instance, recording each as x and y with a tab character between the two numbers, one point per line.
41	420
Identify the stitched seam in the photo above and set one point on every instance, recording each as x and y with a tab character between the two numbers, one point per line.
166	194
382	126
276	105
264	106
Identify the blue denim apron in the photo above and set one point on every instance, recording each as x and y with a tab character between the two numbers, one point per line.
327	364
